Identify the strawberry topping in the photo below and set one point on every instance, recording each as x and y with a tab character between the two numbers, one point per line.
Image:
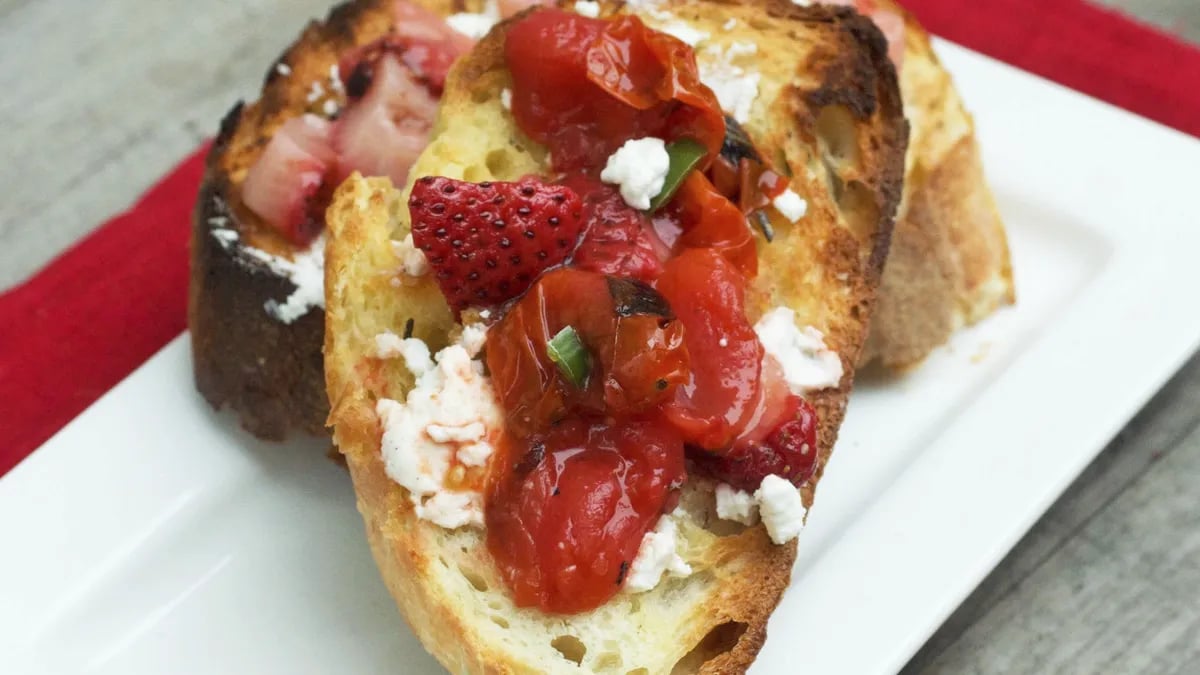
488	242
620	240
790	451
284	186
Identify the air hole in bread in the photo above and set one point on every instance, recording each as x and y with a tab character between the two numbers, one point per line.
570	647
718	641
857	203
477	582
499	162
836	135
477	174
608	661
638	671
498	620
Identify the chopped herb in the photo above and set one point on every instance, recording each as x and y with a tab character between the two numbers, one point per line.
624	569
408	328
685	155
764	224
567	352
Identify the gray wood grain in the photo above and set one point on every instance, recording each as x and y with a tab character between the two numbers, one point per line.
103	97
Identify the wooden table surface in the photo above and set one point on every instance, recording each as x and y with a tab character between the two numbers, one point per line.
104	97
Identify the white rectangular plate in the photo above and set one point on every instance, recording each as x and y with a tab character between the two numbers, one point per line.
151	536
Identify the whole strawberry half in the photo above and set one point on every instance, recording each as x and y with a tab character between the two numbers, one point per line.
488	242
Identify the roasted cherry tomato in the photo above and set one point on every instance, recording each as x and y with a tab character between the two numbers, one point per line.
565	520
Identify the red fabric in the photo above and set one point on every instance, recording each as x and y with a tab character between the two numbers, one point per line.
87	320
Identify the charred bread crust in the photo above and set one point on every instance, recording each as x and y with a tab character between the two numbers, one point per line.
267	371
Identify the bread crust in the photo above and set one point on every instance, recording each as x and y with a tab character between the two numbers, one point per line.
269	372
949	265
744	573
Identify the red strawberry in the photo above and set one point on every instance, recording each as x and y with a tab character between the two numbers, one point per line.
620	240
790	452
488	242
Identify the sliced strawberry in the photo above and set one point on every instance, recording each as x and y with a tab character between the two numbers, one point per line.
284	185
382	134
487	242
619	240
790	452
414	21
510	7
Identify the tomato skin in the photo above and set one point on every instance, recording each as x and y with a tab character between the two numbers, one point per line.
719	400
707	219
565	523
582	87
638	357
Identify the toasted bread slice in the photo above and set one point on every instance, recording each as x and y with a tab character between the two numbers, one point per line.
268	368
829	109
949	263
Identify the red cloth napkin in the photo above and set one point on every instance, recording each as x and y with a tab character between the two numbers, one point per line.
92	316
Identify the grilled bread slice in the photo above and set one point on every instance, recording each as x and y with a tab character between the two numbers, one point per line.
829	109
949	263
248	355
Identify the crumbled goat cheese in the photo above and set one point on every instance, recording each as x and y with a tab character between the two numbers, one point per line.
474	336
330	107
736	505
335	78
791	205
808	365
476	25
506	98
283	69
639	167
450	413
306	270
225	237
729	25
781	507
735	88
415	352
657	555
686	33
587	8
412	259
315	91
776	500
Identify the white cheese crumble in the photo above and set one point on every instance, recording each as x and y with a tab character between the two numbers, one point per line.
587	8
684	32
330	107
791	205
315	91
735	87
776	500
506	98
656	556
476	25
335	78
283	69
736	505
306	270
412	259
781	507
729	25
639	167
808	365
451	412
225	237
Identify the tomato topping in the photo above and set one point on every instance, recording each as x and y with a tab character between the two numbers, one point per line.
620	240
708	220
582	87
719	400
565	524
636	345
